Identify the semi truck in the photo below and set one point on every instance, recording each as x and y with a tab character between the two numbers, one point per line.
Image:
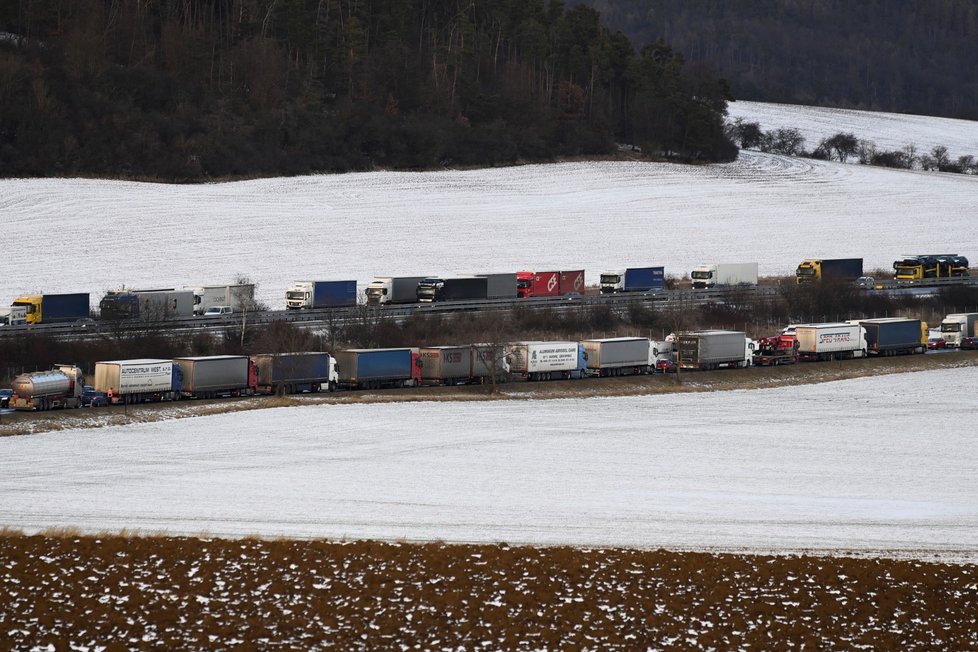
216	375
499	286
60	387
458	365
292	373
321	294
817	269
547	360
52	308
549	284
958	325
709	276
13	316
633	279
894	336
832	341
459	288
376	368
147	304
239	297
393	289
135	381
924	266
619	356
776	350
712	349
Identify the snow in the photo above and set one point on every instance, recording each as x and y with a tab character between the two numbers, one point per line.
871	464
101	235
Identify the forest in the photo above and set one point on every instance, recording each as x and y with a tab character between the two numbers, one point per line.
184	90
904	56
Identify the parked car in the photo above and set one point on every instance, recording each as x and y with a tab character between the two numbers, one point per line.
665	366
216	311
936	343
92	398
969	343
5	395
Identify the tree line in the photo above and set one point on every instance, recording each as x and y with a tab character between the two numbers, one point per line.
180	90
905	56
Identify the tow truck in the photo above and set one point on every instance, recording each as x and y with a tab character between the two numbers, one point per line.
776	350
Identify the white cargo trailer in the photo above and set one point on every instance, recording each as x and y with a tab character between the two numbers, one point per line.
618	356
239	297
834	341
724	274
134	381
547	360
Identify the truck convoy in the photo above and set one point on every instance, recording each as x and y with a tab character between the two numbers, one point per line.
894	336
633	279
377	368
833	341
52	308
713	349
918	267
549	284
459	288
619	356
147	304
216	375
705	277
547	360
292	373
239	297
462	365
817	269
321	294
958	325
135	381
393	289
47	390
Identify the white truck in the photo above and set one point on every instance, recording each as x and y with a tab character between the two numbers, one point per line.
547	360
393	289
833	341
135	381
958	325
240	297
709	276
13	316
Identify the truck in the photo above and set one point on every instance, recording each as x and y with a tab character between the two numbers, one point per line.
216	375
712	349
832	341
53	308
894	336
461	365
147	304
377	368
618	356
292	373
60	387
499	286
547	360
923	266
958	325
705	277
393	289
633	279
13	316
138	380
549	284
459	288
240	297
817	269
776	350
321	294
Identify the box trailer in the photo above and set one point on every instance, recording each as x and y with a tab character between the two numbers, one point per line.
216	375
817	269
895	336
376	368
547	360
295	372
618	356
134	381
461	288
713	349
500	286
834	341
321	294
446	365
53	308
549	284
633	279
724	274
393	289
958	325
240	297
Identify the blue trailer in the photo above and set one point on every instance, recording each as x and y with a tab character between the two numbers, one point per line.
375	368
321	294
64	307
895	336
634	279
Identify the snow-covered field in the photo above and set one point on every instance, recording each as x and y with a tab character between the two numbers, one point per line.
890	131
71	235
882	463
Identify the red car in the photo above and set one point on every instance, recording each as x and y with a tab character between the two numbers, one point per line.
936	343
665	366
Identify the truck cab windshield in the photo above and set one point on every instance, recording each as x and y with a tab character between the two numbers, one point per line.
701	275
805	271
610	279
295	295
